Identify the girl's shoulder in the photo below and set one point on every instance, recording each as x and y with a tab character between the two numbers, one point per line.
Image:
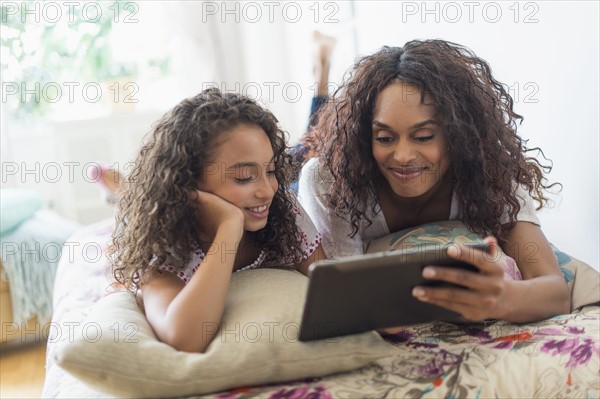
185	273
309	236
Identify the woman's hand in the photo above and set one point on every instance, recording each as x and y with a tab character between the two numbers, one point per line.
484	294
213	212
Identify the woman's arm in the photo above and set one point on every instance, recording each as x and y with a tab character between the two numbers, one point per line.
542	293
187	316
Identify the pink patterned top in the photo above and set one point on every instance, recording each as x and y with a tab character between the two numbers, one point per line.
309	241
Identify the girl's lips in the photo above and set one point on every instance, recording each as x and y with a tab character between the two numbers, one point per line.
260	212
407	174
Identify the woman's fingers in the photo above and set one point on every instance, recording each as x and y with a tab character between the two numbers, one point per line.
458	295
465	278
486	262
490	278
476	313
482	291
473	305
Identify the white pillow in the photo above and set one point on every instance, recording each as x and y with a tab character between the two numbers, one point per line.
116	351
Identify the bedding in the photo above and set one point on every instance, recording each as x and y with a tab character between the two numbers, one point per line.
558	357
31	241
16	206
257	343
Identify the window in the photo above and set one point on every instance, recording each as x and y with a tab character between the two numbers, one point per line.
71	60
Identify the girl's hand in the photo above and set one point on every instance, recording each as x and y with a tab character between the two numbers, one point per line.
484	292
213	212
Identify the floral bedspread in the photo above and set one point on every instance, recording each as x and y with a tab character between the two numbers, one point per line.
559	357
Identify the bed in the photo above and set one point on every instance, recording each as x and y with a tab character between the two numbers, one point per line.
31	239
559	357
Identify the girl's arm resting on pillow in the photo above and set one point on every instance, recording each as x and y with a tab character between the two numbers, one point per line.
187	316
542	293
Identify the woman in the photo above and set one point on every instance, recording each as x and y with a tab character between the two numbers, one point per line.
424	133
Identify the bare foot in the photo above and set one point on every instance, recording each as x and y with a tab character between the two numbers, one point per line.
110	181
324	46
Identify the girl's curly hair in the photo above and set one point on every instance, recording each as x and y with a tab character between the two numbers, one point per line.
155	219
487	157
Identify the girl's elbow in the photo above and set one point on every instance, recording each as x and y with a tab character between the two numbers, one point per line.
185	342
183	338
188	346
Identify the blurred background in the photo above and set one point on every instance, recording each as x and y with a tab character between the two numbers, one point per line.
82	82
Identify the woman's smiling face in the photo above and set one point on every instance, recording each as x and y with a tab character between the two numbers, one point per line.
408	145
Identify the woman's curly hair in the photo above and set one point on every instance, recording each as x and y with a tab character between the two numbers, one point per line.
487	157
155	219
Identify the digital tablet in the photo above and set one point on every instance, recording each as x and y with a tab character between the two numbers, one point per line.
373	291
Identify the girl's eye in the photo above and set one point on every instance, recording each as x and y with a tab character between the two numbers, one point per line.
243	181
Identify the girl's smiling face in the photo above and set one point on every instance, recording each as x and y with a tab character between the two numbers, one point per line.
243	172
408	145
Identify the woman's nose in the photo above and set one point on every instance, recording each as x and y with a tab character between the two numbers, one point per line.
404	152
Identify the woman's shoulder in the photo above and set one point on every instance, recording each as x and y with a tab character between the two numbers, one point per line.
527	210
315	177
303	220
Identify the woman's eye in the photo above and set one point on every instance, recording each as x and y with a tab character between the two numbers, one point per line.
384	139
423	138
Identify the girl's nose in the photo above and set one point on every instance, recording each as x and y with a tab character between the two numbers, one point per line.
265	188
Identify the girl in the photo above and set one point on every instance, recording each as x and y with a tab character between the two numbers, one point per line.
421	134
207	197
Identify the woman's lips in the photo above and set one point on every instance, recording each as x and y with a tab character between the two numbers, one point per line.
407	173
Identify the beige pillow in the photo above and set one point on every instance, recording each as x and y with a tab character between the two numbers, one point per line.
115	350
582	280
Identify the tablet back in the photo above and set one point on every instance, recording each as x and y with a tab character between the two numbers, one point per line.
368	292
